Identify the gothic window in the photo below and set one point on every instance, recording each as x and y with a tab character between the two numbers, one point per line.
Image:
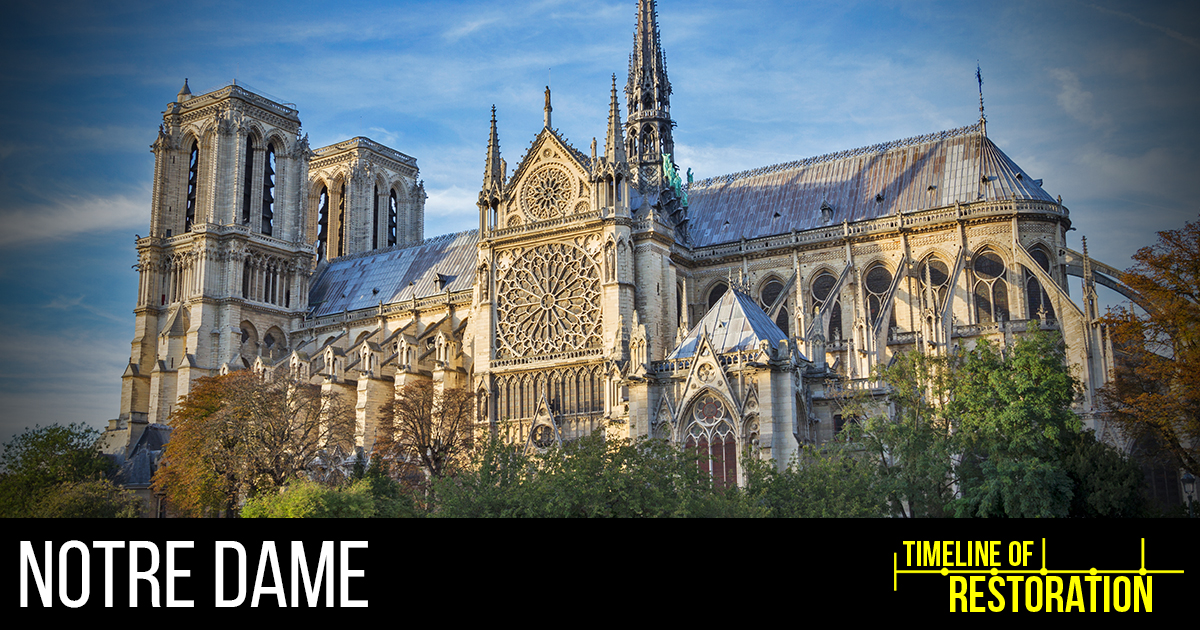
393	218
716	294
710	437
548	302
375	220
991	291
933	278
546	193
770	293
268	198
248	181
822	289
1037	301
877	282
339	247
193	183
323	224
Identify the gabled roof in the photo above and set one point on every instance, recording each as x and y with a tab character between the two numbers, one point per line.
531	153
350	282
920	173
735	323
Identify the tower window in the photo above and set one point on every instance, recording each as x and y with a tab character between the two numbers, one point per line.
323	224
375	221
248	181
341	223
393	218
268	201
193	182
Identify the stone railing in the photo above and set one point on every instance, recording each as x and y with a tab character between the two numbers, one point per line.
543	225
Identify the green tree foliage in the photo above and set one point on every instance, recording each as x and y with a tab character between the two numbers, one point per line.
308	499
89	499
1014	410
40	459
1155	395
590	477
835	482
990	432
239	435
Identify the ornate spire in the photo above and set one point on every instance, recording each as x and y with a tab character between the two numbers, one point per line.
648	98
493	171
614	148
648	87
548	108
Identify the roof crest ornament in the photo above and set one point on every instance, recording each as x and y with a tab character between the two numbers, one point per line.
982	117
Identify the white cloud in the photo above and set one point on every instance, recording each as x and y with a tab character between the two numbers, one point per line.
68	216
1077	101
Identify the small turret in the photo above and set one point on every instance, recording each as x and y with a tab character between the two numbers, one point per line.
185	93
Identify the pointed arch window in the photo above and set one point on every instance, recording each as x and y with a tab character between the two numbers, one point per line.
1037	301
991	290
822	292
393	218
933	277
339	247
716	294
375	220
193	184
711	438
268	198
247	181
877	282
323	224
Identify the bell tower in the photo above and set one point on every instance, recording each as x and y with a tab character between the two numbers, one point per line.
225	268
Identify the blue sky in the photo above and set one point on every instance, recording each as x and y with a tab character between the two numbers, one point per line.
1099	99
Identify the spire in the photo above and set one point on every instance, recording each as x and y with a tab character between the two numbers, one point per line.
982	118
648	87
614	148
548	108
493	173
648	100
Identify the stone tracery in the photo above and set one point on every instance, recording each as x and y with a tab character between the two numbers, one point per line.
548	301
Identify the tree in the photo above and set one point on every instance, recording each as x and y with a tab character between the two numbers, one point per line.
89	499
1155	392
911	444
588	477
239	435
429	428
40	459
834	482
978	432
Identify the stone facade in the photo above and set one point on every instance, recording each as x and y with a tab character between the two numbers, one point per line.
599	292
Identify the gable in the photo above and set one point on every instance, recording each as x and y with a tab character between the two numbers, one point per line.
552	182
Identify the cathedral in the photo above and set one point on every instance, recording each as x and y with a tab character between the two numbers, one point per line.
602	290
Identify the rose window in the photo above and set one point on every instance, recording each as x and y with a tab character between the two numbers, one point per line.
546	193
548	302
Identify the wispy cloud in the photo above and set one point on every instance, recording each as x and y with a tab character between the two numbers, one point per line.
1077	101
64	303
68	216
1170	32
